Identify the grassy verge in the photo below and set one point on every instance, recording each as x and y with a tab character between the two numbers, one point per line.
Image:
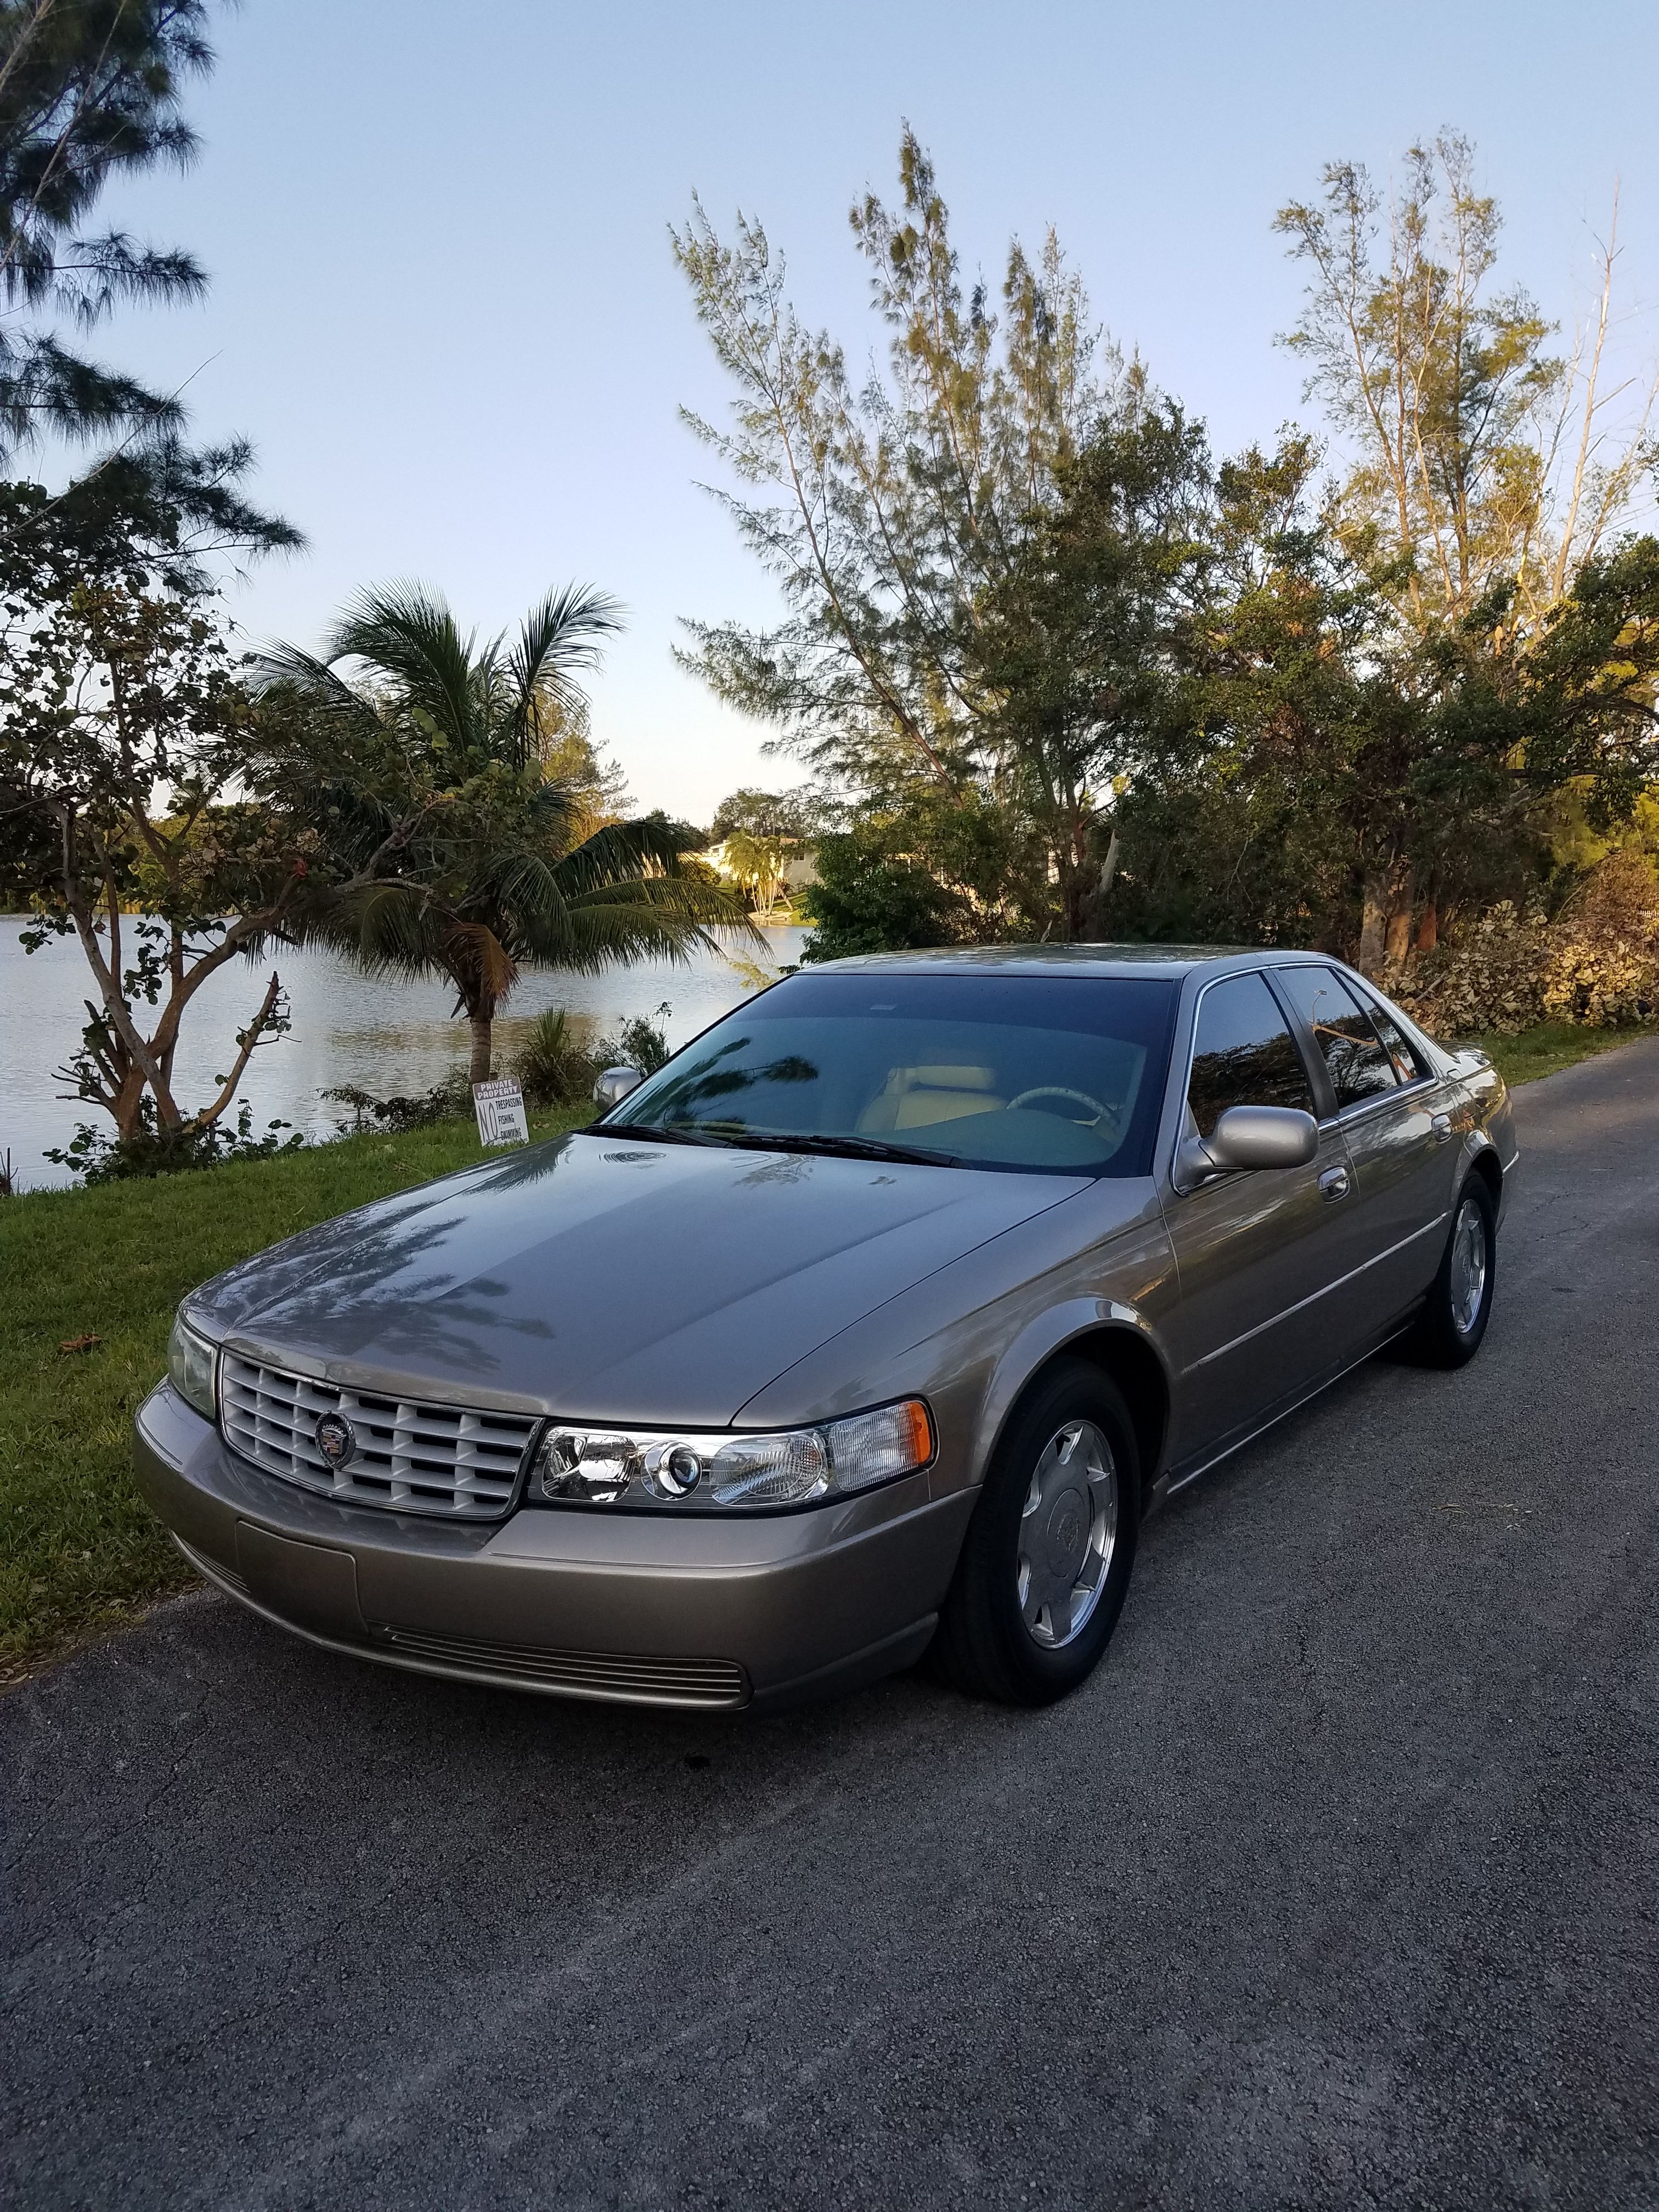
79	1550
1550	1046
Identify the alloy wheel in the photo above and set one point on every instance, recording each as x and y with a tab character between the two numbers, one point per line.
1468	1284
1067	1529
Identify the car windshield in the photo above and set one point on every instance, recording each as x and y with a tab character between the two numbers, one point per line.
1062	1075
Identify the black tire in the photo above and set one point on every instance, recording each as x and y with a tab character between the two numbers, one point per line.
985	1644
1443	1335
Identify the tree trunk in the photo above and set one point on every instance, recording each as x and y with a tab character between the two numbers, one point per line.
1428	927
1089	887
1399	940
479	1067
129	1104
1375	900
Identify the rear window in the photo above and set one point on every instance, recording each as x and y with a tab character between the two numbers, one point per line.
1056	1074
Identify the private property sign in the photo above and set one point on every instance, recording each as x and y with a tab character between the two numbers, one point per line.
500	1108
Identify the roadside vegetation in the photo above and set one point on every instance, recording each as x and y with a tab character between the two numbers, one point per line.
1382	685
1548	1047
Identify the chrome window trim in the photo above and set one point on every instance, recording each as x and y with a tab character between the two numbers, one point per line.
1314	1296
1373	1105
1373	1000
1439	1056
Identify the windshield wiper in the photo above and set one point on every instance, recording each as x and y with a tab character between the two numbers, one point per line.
856	1148
778	1140
649	1129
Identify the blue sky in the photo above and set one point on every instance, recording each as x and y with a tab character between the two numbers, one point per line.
443	304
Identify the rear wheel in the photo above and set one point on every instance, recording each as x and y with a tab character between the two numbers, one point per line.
1047	1560
1449	1330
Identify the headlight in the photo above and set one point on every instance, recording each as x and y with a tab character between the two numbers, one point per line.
189	1367
733	1469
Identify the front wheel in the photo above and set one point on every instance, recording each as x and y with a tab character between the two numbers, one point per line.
1449	1330
1046	1563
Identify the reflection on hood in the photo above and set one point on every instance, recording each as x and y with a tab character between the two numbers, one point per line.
609	1279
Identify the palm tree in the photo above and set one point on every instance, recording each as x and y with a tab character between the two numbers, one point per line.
429	763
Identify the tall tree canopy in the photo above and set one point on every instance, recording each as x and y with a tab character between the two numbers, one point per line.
1482	461
1065	675
1486	475
898	512
89	90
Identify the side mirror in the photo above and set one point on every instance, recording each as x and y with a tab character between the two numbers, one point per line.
614	1086
1248	1137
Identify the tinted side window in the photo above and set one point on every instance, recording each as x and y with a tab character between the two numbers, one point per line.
1407	1065
1359	1067
1244	1053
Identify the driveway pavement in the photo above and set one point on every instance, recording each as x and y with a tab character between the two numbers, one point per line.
1339	1885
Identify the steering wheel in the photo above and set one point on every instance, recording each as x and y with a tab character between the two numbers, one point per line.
1097	1113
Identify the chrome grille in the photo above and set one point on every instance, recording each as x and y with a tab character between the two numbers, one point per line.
410	1456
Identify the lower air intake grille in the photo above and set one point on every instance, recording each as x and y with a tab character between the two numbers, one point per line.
591	1673
407	1455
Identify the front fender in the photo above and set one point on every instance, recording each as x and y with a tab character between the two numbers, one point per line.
1045	1336
970	1338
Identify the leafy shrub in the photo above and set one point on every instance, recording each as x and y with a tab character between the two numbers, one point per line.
869	898
96	1157
1604	968
448	1101
639	1043
1489	978
1597	964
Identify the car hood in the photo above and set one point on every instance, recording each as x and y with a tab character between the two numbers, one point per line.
611	1280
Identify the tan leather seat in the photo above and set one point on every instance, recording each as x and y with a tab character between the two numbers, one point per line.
915	1098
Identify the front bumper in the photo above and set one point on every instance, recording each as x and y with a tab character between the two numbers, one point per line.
699	1611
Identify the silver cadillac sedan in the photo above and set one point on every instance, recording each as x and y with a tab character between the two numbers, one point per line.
870	1326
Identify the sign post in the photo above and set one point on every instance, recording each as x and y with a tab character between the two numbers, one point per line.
499	1105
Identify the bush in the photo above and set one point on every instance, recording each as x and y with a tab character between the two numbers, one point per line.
1597	965
1604	969
97	1157
553	1069
448	1101
638	1044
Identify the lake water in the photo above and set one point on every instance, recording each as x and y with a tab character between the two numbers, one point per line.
389	1038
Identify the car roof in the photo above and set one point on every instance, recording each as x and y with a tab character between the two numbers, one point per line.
1170	961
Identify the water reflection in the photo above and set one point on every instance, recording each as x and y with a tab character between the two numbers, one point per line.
387	1037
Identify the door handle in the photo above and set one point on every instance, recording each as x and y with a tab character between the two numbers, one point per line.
1441	1126
1335	1183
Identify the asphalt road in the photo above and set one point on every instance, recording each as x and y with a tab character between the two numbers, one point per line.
1339	1885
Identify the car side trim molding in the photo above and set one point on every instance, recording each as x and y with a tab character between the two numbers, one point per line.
1262	1327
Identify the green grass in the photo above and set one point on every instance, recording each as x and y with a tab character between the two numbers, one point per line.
79	1549
1550	1046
